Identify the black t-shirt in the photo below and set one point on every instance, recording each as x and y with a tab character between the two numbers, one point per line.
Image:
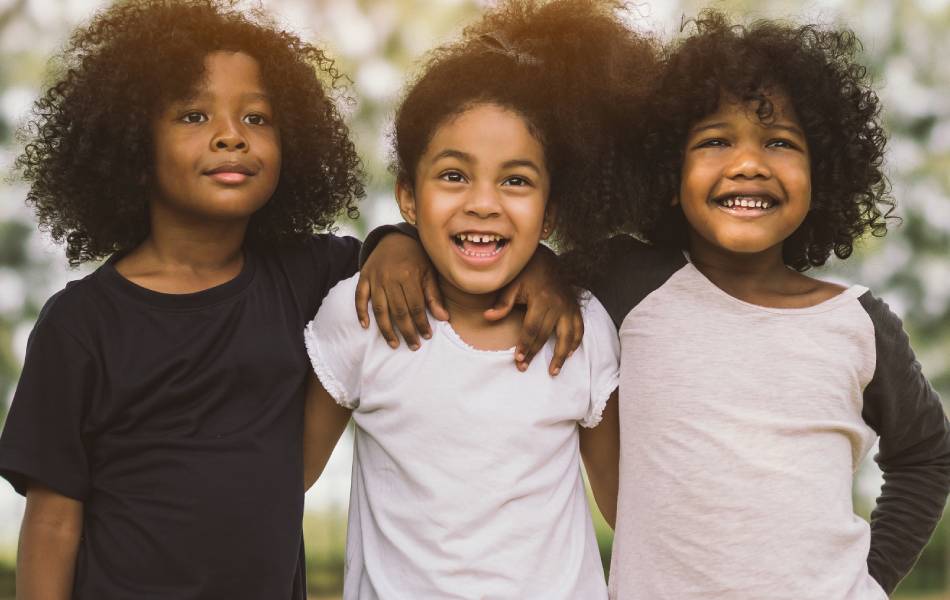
177	421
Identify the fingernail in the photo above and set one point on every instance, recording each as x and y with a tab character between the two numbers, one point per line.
393	344
427	335
413	347
519	357
364	323
557	370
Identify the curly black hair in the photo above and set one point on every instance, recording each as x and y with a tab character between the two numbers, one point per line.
89	141
576	73
817	70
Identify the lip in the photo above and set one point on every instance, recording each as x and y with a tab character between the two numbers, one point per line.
230	173
479	261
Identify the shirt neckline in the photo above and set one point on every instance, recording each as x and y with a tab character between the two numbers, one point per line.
200	299
849	293
453	335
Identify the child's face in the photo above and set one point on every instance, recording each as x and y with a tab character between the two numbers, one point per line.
746	185
479	201
217	155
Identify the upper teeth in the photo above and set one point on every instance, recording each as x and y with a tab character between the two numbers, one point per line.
747	202
479	238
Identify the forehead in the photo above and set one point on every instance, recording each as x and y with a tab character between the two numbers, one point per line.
489	129
227	72
768	107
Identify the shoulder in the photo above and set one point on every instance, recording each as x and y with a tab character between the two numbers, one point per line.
600	334
71	310
888	327
324	252
340	299
634	269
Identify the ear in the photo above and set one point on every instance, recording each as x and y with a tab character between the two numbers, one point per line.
406	200
547	226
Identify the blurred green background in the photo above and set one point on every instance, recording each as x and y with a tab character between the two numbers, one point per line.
377	42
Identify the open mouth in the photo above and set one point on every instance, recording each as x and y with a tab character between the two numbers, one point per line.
742	203
479	245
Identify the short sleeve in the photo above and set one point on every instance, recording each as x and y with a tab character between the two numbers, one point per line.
601	348
42	439
337	344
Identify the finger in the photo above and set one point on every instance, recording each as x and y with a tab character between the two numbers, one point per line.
433	295
399	313
544	334
578	328
362	301
563	347
381	312
530	331
503	305
416	305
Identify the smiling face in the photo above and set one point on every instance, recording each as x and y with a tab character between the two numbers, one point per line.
746	185
479	198
217	154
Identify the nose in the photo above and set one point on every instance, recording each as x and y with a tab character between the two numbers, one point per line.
482	201
748	162
229	137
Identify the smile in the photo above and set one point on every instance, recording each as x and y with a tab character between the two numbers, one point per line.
746	204
479	245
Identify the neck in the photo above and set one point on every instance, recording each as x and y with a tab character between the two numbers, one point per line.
178	241
730	269
466	304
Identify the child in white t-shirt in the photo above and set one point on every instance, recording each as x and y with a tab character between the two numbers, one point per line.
466	476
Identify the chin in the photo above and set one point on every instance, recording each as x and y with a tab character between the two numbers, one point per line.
478	283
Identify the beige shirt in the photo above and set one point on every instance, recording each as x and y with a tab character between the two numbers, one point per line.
742	428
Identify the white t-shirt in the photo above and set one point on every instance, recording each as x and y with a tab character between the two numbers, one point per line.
466	473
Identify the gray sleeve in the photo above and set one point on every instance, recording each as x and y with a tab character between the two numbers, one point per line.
902	407
633	271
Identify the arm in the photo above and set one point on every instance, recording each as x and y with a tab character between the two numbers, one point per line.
397	277
902	407
400	281
600	448
324	422
551	308
49	541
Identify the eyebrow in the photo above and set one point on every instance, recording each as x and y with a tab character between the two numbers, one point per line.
724	125
247	96
468	158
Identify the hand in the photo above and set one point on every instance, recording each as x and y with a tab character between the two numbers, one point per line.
401	282
551	308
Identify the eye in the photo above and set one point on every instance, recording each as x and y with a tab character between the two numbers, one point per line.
516	181
712	143
194	117
452	177
256	119
781	143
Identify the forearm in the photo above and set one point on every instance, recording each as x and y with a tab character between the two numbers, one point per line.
49	542
910	506
604	482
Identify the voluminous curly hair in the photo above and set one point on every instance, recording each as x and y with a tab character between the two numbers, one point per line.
830	92
89	153
577	75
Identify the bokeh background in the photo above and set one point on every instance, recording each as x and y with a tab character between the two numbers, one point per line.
378	43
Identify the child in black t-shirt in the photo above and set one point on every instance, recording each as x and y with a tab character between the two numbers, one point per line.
156	428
